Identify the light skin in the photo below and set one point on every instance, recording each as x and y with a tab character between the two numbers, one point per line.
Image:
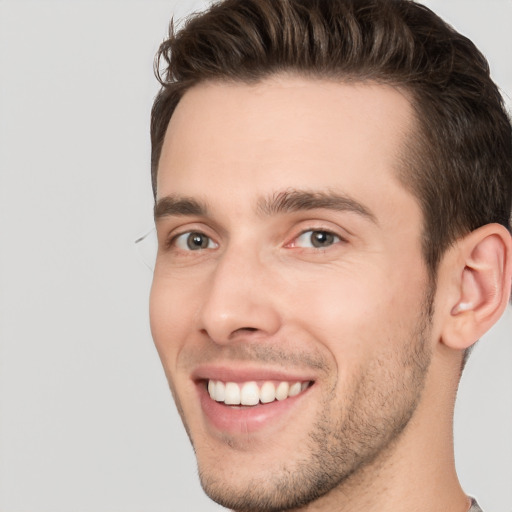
290	251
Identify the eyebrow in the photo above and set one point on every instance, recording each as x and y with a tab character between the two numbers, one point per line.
173	205
291	201
288	201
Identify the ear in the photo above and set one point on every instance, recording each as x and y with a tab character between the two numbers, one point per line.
481	285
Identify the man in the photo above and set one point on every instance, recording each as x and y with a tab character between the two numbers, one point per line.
333	189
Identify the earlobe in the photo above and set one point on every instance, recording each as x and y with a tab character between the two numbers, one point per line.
484	271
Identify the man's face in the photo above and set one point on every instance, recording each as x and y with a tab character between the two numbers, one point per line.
289	266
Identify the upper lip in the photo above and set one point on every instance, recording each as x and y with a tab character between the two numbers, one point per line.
240	372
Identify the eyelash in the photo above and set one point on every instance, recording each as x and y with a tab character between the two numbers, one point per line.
175	240
332	239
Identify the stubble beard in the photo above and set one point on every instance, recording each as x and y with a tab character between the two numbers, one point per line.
342	443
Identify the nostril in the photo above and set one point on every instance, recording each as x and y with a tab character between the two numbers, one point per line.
244	333
236	333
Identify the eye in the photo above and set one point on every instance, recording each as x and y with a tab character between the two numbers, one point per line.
194	241
317	239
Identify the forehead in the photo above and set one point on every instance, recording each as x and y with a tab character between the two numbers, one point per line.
284	132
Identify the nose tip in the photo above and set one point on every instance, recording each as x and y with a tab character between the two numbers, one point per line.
226	320
239	302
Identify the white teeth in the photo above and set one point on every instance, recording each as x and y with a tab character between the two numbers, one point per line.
232	394
294	389
267	393
282	390
220	391
249	393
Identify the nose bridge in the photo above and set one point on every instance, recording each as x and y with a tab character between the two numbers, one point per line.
238	296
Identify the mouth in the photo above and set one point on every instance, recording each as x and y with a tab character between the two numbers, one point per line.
236	405
253	393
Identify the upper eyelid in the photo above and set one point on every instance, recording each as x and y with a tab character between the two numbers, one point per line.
175	225
174	236
170	230
293	241
338	231
321	229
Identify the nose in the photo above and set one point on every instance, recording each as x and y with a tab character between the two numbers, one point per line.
239	299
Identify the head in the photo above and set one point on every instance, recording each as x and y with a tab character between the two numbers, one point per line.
320	169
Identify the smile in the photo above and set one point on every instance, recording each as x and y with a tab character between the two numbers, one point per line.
251	393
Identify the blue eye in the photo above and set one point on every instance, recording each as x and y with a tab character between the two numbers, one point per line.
194	241
317	239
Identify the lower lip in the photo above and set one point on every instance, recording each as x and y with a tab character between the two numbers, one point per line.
245	419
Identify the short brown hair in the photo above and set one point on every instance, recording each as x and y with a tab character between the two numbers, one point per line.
459	161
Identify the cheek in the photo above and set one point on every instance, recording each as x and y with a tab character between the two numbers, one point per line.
353	313
171	307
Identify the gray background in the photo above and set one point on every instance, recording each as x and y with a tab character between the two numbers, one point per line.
86	420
